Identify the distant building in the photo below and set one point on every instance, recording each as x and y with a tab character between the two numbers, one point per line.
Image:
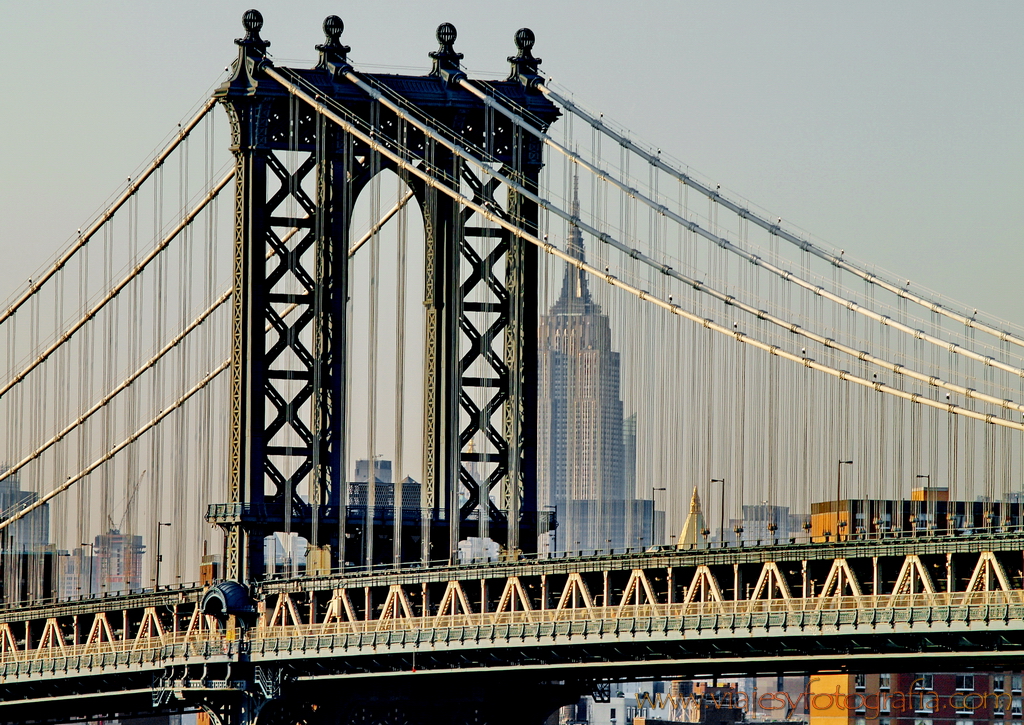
921	698
117	562
29	576
762	523
694	701
384	487
475	548
33	530
928	509
586	462
28	562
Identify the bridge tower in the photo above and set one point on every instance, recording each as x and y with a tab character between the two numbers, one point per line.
288	359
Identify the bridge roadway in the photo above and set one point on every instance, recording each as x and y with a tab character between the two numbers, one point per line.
941	603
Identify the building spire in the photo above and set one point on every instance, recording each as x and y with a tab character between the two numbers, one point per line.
575	296
694	524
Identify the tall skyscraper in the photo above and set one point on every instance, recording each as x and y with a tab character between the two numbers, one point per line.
586	448
27	559
118	562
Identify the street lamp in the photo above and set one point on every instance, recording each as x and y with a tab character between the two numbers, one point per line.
721	512
159	556
91	559
839	479
653	506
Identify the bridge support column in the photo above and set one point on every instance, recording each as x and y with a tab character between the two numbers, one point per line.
291	289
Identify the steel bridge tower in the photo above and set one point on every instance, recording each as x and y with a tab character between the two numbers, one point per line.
288	395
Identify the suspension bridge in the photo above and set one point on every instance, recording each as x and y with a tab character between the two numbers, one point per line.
380	437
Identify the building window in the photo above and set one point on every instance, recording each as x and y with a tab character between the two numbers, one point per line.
883	681
1015	707
924	681
998	682
860	681
925	702
964	722
920	721
967	704
859	721
1015	683
965	683
883	721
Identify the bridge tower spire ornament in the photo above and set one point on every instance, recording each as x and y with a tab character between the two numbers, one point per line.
524	65
446	60
333	54
252	21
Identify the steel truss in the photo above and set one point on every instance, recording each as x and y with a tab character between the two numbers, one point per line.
700	612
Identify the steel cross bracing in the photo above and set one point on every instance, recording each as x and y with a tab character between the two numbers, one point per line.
299	368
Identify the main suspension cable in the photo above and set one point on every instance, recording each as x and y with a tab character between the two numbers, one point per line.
754	259
665	269
776	229
133	187
117	448
382	148
224	297
116	290
134	437
120	388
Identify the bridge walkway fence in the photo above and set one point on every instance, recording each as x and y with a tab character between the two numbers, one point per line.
651	621
665	600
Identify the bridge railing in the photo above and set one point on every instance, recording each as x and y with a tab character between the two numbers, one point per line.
149	648
930	600
151	653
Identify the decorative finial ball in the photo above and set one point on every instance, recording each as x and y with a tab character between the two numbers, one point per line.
525	39
446	34
252	21
333	27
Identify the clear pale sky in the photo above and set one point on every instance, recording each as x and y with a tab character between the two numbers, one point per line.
893	130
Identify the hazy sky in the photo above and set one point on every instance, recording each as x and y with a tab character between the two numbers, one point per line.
894	130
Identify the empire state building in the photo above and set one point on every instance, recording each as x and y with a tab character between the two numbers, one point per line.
586	448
